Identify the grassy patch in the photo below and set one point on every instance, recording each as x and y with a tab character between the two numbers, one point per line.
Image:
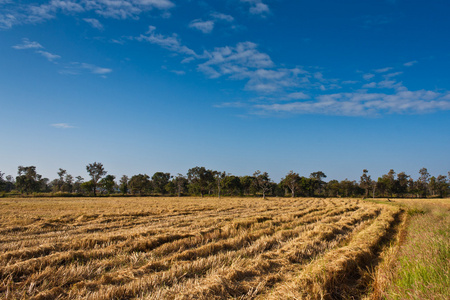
418	267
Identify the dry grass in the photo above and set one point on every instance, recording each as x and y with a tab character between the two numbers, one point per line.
189	248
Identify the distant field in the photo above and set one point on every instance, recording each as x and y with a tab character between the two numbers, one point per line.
192	248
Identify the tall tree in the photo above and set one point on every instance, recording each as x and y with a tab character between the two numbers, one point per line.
77	185
317	180
262	182
139	184
402	186
2	182
123	184
442	185
28	180
232	185
60	182
219	177
292	181
96	171
365	182
423	181
108	184
159	181
247	184
180	182
200	179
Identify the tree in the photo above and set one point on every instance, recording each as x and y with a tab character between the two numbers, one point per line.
247	185
423	181
262	182
219	177
123	184
365	182
160	180
333	188
108	184
2	182
59	183
292	181
180	183
389	181
442	185
139	184
77	185
87	187
29	180
96	171
232	185
200	180
402	186
317	180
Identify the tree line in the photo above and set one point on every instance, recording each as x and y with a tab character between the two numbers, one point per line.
201	181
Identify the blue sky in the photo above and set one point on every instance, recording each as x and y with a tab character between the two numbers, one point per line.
234	85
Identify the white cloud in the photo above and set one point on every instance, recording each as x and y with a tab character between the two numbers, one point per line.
77	68
236	104
7	21
246	62
120	9
383	70
257	7
171	43
27	44
62	125
368	76
220	16
94	23
410	63
298	95
364	104
203	26
178	72
390	75
48	55
95	69
370	85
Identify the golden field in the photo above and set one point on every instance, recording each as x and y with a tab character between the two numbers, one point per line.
191	248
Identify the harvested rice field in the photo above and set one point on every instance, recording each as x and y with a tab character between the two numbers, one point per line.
191	248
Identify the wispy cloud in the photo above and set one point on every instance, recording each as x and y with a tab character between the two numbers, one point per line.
364	104
221	16
48	55
368	76
390	75
383	70
298	96
236	104
62	125
178	72
27	44
94	23
410	63
19	13
203	26
77	68
120	9
257	7
171	43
